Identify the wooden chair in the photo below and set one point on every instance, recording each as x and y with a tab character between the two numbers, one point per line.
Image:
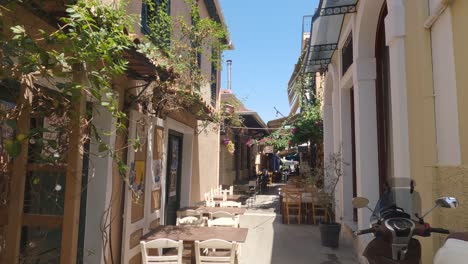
319	205
161	244
228	189
224	222
292	202
230	204
254	189
189	212
220	214
223	219
209	202
190	220
219	251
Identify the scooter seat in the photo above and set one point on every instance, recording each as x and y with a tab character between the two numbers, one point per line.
454	251
459	235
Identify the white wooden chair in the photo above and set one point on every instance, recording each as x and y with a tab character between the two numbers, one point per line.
220	214
209	202
223	222
230	204
222	251
161	244
190	220
189	212
229	191
223	219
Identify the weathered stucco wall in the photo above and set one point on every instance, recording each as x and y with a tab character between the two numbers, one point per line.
451	181
459	10
421	117
208	163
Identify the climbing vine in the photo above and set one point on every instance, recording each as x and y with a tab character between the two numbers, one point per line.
49	71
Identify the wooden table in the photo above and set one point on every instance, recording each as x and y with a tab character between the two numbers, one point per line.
233	197
200	233
308	203
207	210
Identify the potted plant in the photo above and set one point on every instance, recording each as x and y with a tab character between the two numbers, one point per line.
332	173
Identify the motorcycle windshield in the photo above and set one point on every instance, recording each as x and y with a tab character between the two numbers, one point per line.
389	199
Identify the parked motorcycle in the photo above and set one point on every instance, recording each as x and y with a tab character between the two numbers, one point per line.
394	229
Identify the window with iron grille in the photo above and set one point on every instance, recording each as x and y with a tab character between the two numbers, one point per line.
213	84
347	54
150	21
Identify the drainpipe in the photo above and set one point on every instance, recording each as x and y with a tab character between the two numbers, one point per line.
229	65
438	10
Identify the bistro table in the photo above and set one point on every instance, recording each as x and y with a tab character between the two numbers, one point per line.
190	234
230	197
207	210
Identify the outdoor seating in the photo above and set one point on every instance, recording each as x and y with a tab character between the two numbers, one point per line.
219	251
190	220
220	214
159	245
292	203
190	234
230	204
223	222
209	202
229	191
223	219
254	189
189	212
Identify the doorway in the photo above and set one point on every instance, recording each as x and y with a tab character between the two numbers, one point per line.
173	176
383	103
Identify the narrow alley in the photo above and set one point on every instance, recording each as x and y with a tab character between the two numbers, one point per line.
270	241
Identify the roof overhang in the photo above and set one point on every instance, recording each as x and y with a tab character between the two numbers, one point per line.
215	12
325	33
252	119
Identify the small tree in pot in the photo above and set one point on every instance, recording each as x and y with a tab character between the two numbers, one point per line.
326	183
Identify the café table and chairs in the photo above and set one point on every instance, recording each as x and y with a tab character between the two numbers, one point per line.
311	201
190	234
160	245
230	204
219	251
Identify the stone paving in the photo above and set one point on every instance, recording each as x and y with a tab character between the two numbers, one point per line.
270	241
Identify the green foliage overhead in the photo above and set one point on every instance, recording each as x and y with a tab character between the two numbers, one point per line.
309	126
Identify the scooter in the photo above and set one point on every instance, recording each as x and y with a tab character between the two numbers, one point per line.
394	229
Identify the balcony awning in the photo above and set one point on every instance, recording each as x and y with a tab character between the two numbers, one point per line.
325	33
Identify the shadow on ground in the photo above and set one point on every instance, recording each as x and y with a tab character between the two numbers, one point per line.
269	241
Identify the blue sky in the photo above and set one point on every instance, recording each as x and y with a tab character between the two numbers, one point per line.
267	38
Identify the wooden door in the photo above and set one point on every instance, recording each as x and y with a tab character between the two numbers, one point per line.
173	179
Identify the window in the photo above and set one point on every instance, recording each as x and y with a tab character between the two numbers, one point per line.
155	16
214	84
347	54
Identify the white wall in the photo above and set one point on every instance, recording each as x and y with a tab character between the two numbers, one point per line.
99	189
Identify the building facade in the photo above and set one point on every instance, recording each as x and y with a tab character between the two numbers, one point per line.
103	215
393	105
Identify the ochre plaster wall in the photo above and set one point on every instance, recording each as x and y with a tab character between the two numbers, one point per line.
451	181
420	112
459	9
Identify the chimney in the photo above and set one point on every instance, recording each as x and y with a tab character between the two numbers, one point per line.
229	65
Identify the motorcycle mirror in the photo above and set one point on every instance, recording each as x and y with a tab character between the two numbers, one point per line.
447	202
360	202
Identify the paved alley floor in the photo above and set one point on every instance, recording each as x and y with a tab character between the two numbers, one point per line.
270	241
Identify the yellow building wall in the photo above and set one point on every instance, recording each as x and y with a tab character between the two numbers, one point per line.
459	11
421	118
433	181
453	180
